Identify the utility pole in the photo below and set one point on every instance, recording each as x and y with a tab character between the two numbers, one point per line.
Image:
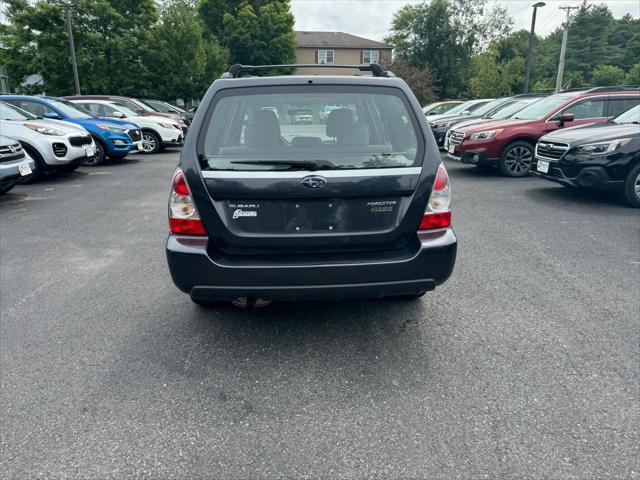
73	49
530	49
563	48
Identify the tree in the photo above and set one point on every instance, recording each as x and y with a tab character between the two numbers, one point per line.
608	75
111	36
492	78
254	31
419	80
443	35
184	61
633	77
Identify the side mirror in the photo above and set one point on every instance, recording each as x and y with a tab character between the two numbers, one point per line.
52	116
116	114
465	112
564	118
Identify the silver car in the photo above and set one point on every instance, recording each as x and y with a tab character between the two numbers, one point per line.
14	163
54	145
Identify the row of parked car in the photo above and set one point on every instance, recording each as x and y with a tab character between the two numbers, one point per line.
585	138
40	135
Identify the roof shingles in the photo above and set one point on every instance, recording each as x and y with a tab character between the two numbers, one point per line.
335	40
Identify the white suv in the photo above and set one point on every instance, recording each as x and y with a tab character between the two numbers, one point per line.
54	145
157	132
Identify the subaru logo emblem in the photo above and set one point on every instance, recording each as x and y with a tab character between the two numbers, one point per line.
314	182
14	148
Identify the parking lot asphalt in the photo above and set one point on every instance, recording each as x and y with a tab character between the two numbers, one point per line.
525	364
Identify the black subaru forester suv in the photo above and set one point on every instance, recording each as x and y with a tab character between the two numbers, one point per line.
355	205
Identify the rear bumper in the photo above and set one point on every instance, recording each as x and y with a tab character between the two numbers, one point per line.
195	272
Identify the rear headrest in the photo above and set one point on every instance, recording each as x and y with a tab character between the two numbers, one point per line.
338	120
262	130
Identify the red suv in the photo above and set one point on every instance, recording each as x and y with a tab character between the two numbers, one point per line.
510	143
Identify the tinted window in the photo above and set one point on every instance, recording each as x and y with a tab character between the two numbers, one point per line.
9	112
375	129
69	109
587	108
621	105
36	108
128	104
542	108
630	116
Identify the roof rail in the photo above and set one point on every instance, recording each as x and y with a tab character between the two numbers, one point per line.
237	70
574	89
537	94
615	88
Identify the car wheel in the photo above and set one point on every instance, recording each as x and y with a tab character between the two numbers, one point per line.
6	188
516	159
36	173
99	157
632	188
150	142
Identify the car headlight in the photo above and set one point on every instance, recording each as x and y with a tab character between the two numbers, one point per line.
602	148
44	130
166	125
444	125
486	135
111	128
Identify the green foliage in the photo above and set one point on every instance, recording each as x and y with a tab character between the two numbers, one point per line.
493	77
608	75
633	77
254	31
443	35
109	45
419	80
178	74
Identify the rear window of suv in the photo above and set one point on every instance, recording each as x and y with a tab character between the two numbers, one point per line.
349	127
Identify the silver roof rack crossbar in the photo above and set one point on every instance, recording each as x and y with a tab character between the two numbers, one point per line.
237	70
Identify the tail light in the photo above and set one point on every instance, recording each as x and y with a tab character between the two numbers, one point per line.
437	213
183	216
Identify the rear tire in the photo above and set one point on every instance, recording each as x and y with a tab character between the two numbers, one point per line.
516	159
151	142
632	188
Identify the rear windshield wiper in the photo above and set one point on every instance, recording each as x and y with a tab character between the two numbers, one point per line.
290	164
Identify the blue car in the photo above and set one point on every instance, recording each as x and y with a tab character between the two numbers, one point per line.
113	138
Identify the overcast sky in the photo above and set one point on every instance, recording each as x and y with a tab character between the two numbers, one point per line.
372	18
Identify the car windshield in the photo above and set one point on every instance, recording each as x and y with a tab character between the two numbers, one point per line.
508	109
374	128
9	112
541	108
69	109
489	106
126	110
630	116
162	106
461	108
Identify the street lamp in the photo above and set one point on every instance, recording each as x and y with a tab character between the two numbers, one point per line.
530	49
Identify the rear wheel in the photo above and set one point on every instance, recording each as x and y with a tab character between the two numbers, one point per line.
516	159
632	188
99	157
151	142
